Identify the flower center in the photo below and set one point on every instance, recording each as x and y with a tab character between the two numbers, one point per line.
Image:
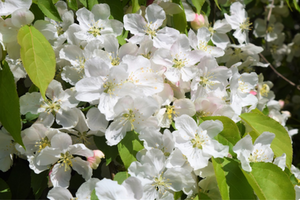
264	91
129	117
51	106
66	160
171	112
258	155
95	29
199	141
179	63
150	31
243	87
115	61
246	25
43	143
161	183
109	87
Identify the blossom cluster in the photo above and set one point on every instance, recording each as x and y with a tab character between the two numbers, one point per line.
159	84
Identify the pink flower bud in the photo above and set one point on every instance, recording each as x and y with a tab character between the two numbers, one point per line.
49	179
199	21
96	159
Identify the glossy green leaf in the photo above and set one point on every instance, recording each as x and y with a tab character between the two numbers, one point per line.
72	4
135	5
110	152
48	8
4	190
261	123
270	182
37	56
10	116
231	181
198	5
128	148
177	195
121	176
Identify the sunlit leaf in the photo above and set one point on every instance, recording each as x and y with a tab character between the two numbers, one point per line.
270	182
37	56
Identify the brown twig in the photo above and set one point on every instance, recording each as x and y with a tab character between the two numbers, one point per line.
273	68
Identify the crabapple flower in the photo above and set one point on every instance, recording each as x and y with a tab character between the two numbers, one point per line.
179	60
141	29
62	155
95	24
196	142
59	103
200	41
159	182
218	33
131	114
269	33
239	21
260	151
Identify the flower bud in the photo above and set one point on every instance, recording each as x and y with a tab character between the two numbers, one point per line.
199	21
96	159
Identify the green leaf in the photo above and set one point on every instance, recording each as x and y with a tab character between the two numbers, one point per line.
128	148
241	127
4	190
110	152
231	181
296	5
265	111
230	131
39	182
121	38
270	182
48	8
91	3
201	196
84	2
261	123
72	4
38	14
37	56
198	5
121	176
94	196
179	22
177	195
217	3
135	5
10	116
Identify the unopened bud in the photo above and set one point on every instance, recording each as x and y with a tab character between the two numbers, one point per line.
199	21
96	159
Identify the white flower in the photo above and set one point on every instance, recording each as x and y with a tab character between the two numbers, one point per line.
96	23
259	152
196	142
239	21
62	155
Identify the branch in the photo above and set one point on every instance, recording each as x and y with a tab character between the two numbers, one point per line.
273	68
